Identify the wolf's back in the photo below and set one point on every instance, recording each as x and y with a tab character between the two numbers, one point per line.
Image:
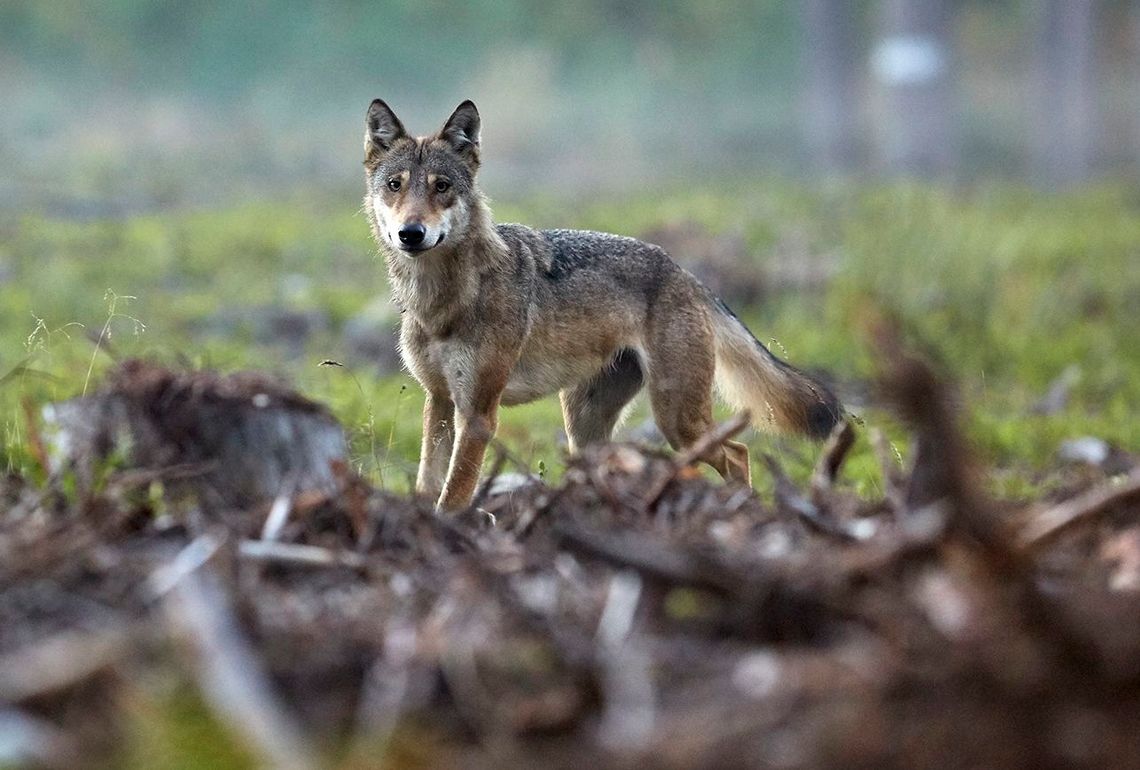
779	396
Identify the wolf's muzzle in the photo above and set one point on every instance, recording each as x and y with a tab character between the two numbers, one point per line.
412	235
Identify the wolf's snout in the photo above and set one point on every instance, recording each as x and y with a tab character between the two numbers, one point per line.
412	234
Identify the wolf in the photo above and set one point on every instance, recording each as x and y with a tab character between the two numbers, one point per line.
502	314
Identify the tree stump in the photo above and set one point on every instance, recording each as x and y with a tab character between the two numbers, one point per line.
229	441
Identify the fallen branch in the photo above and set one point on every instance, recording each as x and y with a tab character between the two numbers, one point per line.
629	697
1046	525
27	740
58	663
654	559
196	553
791	501
137	477
942	468
299	555
278	512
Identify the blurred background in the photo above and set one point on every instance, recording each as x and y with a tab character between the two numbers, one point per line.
127	105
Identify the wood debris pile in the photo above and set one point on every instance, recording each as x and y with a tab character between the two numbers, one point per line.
635	615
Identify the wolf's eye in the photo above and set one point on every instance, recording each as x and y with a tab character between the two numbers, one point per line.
394	184
442	186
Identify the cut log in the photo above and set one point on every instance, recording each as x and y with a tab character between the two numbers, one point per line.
248	437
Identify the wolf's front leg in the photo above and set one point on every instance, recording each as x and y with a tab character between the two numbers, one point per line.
476	395
472	435
435	449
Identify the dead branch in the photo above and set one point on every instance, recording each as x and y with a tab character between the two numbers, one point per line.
383	691
278	513
59	663
299	555
196	553
630	710
791	501
652	558
1049	523
831	459
28	741
942	467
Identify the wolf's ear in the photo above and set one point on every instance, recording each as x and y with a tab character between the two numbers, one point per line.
381	129
461	131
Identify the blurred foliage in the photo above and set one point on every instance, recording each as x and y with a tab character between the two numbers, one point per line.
169	726
126	105
225	50
155	103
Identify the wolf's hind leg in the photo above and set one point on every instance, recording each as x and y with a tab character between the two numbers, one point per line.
592	408
680	369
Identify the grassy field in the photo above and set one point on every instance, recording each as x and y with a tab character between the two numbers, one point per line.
1007	288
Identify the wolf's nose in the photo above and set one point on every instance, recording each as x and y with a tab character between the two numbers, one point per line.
412	235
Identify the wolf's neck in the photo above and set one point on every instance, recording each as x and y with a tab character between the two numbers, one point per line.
443	285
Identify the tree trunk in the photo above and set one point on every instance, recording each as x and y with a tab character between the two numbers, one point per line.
830	108
1135	80
1066	112
913	62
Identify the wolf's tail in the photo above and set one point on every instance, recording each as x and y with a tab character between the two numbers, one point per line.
779	396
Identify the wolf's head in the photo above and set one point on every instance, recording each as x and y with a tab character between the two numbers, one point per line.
421	190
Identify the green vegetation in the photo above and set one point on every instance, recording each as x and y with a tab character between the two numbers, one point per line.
1009	288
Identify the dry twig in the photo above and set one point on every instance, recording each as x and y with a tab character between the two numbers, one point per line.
791	501
831	459
648	556
298	555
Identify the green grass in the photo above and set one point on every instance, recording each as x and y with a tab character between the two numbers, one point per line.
1007	286
170	726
